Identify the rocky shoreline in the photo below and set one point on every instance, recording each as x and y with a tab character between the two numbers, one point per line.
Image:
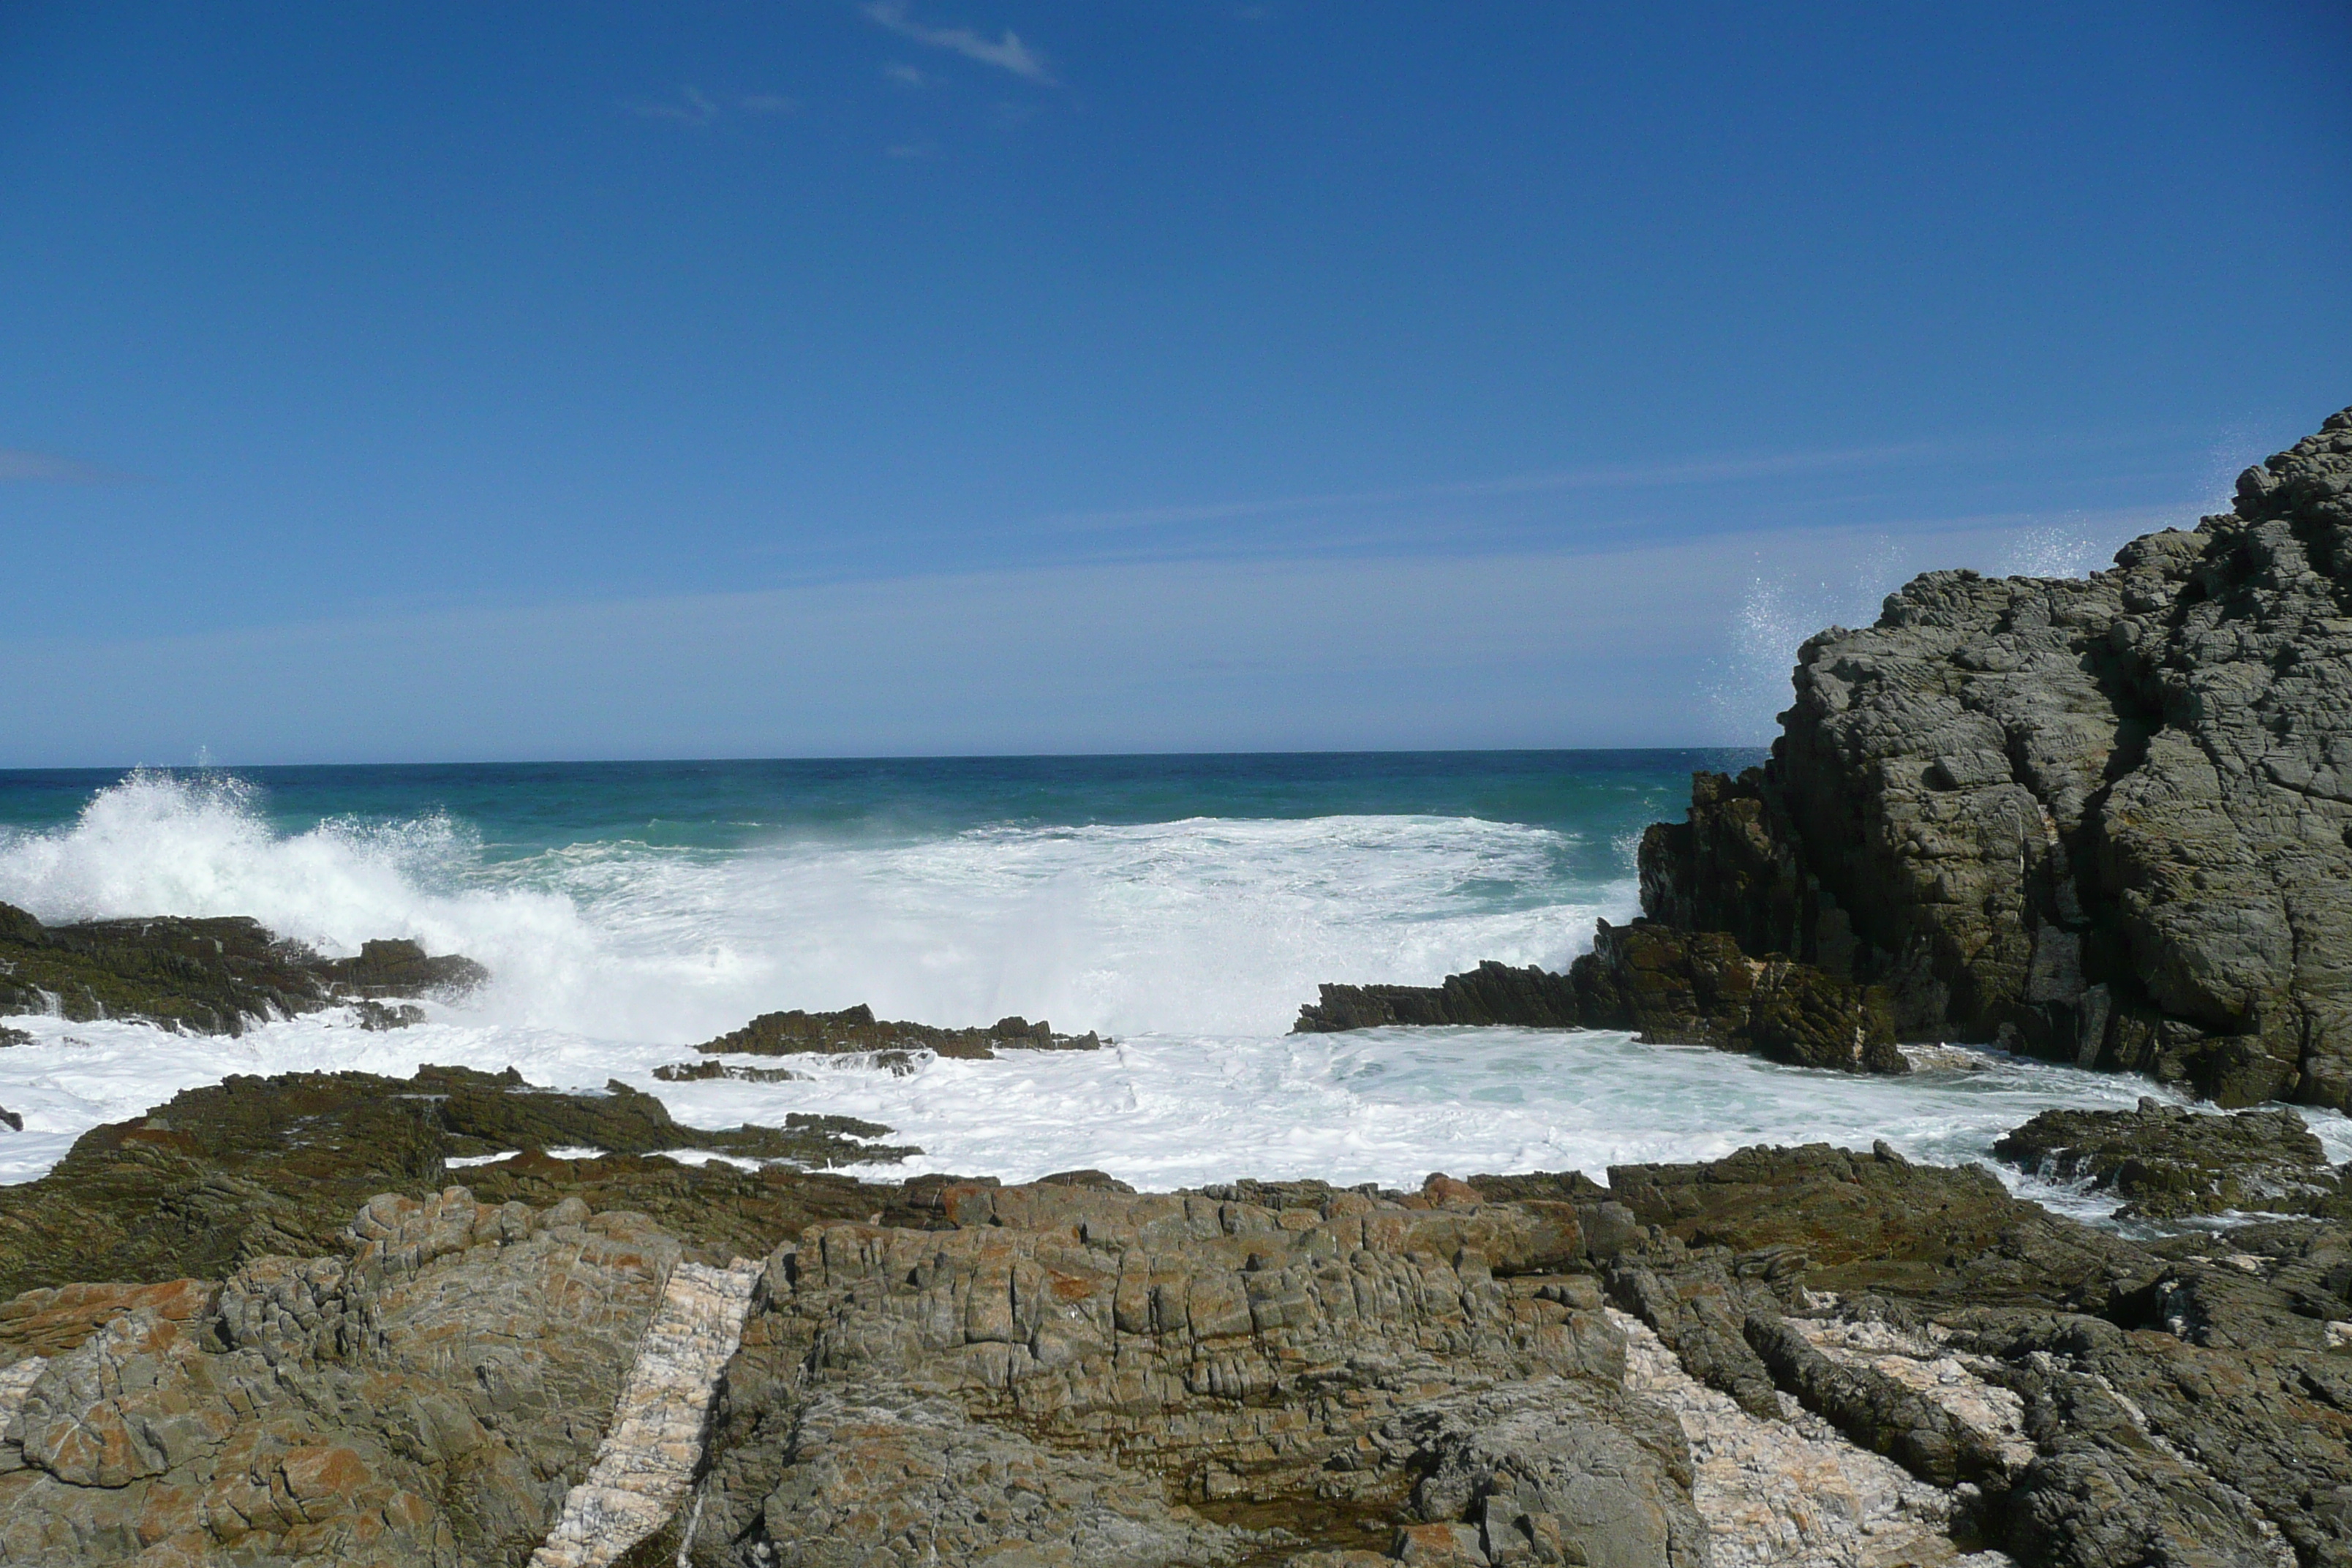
1788	1356
459	1318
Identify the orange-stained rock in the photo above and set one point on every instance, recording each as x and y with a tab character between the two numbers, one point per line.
51	1322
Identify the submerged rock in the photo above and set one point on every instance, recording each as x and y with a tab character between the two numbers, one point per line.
211	977
2169	1161
854	1030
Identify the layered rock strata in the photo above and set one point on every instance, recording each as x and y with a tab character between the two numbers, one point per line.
209	976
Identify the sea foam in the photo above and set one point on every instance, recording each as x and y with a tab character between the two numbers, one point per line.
1193	943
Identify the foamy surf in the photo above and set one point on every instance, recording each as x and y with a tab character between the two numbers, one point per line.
1192	942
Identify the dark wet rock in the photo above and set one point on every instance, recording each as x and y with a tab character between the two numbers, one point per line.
2102	820
2169	1161
15	1123
854	1030
9	1037
1697	988
1669	986
703	1072
381	1015
253	1166
211	977
1492	994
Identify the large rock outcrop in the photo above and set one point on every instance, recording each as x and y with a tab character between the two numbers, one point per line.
2104	819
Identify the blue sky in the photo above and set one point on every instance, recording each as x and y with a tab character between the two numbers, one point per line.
447	382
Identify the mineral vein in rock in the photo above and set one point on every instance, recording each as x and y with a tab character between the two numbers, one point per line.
646	1462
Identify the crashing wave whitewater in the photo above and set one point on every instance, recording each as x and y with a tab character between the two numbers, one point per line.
1192	941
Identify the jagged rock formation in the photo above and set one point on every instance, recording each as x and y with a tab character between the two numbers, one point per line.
2101	819
423	1401
856	1031
211	977
2169	1161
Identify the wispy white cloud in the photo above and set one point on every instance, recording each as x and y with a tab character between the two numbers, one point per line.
46	466
1008	53
690	108
899	71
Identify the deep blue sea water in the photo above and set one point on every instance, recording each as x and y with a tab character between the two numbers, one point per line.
1184	905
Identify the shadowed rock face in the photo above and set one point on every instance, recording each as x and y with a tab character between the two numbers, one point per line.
2104	820
211	977
1669	986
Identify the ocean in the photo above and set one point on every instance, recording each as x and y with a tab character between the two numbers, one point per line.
1185	905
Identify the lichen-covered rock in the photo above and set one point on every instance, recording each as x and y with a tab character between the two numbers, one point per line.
425	1400
211	977
1248	1366
2169	1161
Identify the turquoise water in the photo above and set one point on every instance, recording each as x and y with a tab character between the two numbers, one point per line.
522	809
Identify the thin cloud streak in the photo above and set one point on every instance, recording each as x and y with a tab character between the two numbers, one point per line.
1713	470
696	109
1008	53
45	466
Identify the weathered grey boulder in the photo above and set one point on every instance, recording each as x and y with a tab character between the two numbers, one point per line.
2101	819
